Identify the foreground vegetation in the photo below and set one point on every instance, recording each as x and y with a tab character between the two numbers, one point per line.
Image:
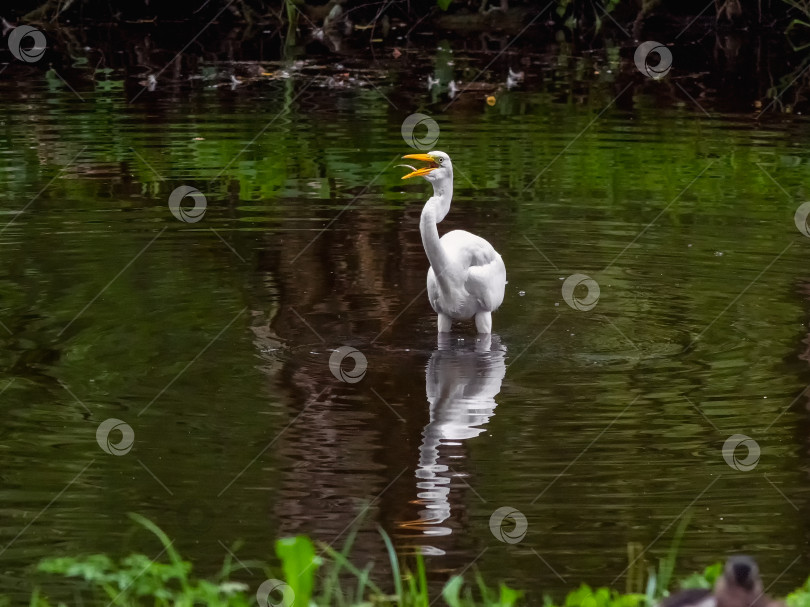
319	575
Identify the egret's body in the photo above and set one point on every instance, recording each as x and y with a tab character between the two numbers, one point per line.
467	276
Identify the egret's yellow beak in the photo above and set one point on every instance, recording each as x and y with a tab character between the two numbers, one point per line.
424	170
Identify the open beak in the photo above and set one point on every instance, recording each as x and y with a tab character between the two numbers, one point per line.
424	170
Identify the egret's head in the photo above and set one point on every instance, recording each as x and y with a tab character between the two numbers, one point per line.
439	166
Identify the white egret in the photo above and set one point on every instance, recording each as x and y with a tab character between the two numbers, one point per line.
467	276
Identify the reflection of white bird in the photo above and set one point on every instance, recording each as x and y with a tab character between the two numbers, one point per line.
461	385
467	276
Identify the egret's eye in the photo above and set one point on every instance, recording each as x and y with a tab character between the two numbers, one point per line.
441	160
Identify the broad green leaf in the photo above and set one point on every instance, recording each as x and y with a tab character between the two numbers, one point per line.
299	563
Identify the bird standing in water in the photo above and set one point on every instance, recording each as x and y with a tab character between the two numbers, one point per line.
467	276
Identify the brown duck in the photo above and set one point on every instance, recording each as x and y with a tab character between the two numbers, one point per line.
739	586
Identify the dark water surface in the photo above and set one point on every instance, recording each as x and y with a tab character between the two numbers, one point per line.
212	340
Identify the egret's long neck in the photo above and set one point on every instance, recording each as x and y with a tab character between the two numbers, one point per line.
443	194
436	209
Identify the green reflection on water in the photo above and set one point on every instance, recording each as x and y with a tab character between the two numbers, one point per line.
212	339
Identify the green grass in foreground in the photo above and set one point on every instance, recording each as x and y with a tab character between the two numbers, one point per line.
325	579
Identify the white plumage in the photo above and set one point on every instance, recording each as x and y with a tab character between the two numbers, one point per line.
467	276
